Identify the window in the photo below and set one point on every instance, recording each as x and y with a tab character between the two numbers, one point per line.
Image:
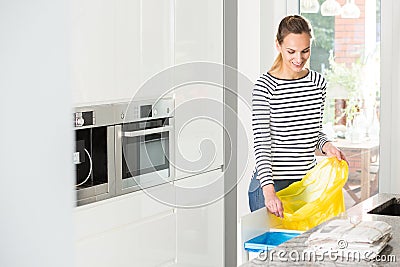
346	49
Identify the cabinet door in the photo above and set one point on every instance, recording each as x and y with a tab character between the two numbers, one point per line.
198	30
150	243
199	102
118	45
135	207
92	50
135	229
200	230
127	52
156	45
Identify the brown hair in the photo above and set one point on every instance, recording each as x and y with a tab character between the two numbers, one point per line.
290	24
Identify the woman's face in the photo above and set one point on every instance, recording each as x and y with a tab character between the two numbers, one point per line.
295	50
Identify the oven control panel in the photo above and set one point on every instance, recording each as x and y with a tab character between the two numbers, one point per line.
143	110
85	118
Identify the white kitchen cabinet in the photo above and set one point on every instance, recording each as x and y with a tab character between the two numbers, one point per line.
156	44
130	230
198	129
118	45
200	230
94	218
198	30
92	50
148	243
127	48
198	99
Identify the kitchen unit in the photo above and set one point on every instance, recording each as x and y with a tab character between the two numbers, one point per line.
140	40
144	148
122	148
121	228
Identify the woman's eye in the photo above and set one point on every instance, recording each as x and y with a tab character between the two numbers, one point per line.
306	51
291	52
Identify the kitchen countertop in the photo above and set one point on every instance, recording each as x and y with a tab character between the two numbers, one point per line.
390	256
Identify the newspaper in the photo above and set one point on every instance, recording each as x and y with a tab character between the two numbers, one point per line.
364	239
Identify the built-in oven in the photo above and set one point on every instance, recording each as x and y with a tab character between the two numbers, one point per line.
143	144
93	155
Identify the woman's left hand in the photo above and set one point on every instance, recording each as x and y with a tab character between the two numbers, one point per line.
331	151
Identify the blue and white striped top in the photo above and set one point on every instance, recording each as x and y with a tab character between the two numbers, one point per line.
287	125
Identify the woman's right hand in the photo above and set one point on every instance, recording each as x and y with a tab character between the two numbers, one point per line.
272	202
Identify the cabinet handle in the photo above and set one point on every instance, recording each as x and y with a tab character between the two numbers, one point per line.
145	132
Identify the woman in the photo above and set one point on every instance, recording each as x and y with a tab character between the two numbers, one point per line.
288	104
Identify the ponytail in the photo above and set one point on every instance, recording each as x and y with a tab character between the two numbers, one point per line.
277	63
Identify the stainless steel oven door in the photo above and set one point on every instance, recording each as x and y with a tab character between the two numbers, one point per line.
143	155
99	153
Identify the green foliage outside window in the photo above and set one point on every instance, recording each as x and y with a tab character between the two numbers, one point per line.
324	39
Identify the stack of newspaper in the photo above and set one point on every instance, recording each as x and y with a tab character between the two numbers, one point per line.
349	239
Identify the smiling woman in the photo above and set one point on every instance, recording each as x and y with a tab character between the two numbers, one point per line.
294	53
288	104
299	36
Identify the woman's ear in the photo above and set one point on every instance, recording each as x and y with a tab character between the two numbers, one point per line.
278	46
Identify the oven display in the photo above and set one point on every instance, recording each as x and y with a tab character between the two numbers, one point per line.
146	111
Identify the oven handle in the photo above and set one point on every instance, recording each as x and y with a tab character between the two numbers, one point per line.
145	132
154	140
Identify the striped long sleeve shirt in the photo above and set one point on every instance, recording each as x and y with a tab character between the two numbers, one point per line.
287	125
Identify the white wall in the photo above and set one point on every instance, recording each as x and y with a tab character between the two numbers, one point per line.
36	192
258	21
271	14
249	65
390	98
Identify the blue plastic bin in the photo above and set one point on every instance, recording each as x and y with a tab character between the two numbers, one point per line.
268	241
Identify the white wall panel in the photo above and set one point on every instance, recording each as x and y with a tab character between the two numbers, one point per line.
249	59
36	193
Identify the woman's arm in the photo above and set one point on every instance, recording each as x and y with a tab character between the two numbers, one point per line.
262	146
261	132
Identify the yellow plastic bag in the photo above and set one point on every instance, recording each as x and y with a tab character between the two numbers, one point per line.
315	199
